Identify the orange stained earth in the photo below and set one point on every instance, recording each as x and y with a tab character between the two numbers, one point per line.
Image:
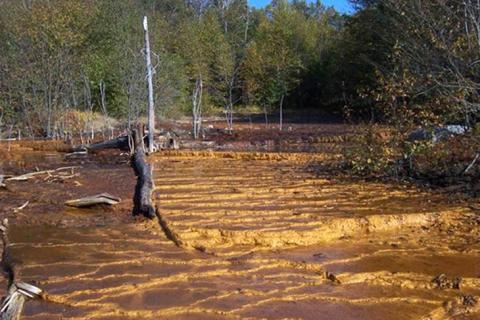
262	237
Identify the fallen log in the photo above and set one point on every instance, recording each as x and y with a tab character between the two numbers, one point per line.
27	176
103	198
142	199
118	143
18	292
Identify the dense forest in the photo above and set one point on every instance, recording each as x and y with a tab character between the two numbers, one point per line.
401	62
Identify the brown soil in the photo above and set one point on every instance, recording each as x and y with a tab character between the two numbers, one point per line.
262	238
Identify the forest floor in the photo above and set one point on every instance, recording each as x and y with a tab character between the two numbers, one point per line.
265	234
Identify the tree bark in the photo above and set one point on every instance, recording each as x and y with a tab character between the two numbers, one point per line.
151	107
142	199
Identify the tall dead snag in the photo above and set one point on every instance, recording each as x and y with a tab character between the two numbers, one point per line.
151	107
18	292
142	199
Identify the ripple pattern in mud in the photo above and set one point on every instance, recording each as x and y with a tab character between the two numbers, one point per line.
219	202
274	235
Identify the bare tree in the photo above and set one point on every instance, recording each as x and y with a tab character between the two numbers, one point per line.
103	103
87	94
238	42
151	107
197	107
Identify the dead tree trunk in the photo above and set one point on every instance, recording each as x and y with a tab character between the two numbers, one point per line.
142	199
151	107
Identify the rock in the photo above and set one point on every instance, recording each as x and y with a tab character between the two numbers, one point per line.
437	134
442	282
456	128
469	300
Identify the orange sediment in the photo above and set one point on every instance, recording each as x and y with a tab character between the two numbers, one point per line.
274	236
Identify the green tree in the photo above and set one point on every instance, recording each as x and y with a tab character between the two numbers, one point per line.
43	50
206	53
284	44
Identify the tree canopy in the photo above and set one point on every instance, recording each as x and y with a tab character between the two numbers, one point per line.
55	55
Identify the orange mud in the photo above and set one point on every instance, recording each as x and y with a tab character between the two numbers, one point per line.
275	240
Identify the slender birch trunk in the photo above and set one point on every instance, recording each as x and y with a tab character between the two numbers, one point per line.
197	107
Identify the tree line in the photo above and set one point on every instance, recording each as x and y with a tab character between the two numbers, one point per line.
387	60
422	76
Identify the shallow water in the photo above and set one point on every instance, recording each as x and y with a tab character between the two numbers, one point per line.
268	228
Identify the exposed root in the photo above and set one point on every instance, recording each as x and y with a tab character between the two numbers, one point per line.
169	233
174	237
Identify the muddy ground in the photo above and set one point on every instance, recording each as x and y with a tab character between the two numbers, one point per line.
264	235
